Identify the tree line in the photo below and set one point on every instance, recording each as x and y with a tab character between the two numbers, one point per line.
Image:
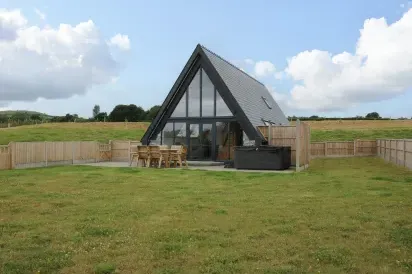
120	113
369	116
133	113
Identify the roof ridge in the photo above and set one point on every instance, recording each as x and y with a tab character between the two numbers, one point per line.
223	59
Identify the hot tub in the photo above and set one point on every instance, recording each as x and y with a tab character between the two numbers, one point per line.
262	157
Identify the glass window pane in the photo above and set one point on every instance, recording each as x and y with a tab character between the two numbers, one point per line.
168	134
155	140
208	94
194	149
222	134
194	96
247	141
180	110
207	140
180	134
221	107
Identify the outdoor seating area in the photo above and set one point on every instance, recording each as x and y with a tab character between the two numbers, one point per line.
159	156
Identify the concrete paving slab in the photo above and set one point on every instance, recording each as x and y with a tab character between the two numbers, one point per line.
195	167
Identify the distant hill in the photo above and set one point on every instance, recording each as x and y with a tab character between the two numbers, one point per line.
10	113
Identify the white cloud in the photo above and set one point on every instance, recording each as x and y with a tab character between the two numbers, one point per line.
249	61
121	41
51	63
280	98
380	68
42	15
264	68
10	22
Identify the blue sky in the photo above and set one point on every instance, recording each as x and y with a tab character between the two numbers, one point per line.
163	34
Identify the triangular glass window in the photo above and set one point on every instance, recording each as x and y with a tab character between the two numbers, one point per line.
221	107
208	96
194	96
180	110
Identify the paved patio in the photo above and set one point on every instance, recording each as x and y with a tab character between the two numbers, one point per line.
208	166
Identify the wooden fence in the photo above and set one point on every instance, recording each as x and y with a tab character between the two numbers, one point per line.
343	148
5	157
121	150
396	151
297	137
39	154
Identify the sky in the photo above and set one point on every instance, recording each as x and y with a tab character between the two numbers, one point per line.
319	57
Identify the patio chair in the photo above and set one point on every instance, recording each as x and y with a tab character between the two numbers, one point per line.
179	156
155	157
141	154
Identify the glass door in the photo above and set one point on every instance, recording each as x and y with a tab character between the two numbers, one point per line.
207	141
200	140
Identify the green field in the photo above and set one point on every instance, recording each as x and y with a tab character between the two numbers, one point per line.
350	215
321	131
72	132
318	135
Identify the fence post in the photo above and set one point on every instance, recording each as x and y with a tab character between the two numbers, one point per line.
72	153
404	152
12	151
97	152
270	134
111	150
325	146
396	152
128	156
390	150
297	144
45	152
354	147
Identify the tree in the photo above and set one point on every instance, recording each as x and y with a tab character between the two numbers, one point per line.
373	115
96	110
152	112
102	116
131	113
69	118
35	117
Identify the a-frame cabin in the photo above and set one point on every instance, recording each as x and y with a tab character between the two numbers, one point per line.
213	107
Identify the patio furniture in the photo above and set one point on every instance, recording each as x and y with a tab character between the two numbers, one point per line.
141	154
155	157
178	155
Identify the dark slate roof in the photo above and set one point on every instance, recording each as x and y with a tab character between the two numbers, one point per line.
248	92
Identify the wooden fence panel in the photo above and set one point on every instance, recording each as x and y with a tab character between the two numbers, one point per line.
5	157
59	153
318	149
344	148
29	154
121	149
408	154
396	151
387	150
365	147
85	152
297	137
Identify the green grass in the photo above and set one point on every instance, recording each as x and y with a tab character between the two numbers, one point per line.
39	134
370	134
350	215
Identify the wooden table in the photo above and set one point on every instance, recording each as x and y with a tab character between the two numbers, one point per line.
166	155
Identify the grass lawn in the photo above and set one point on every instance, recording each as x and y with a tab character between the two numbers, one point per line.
350	215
